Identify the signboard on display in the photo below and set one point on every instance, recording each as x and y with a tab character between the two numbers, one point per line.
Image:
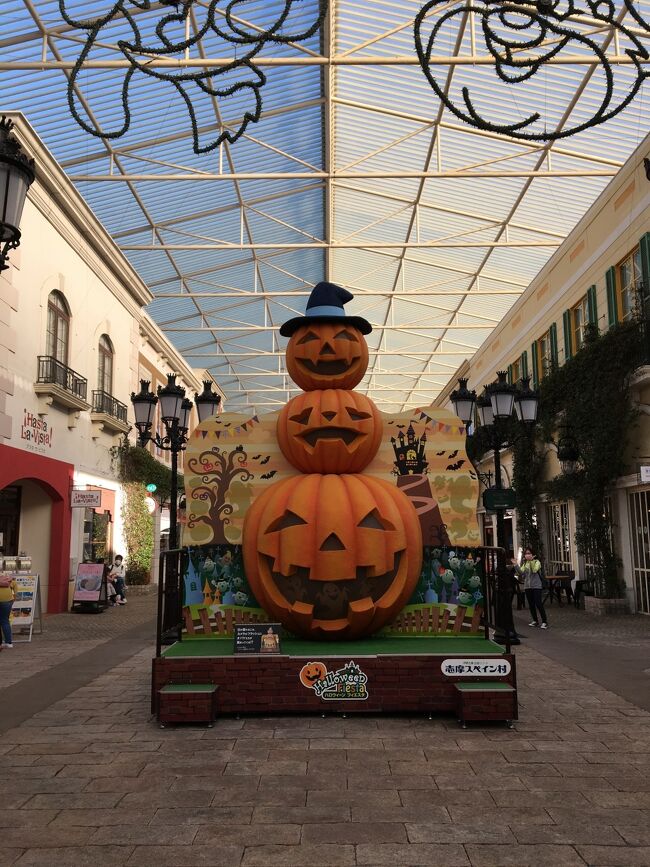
27	604
82	499
499	498
475	667
645	474
348	683
257	638
88	582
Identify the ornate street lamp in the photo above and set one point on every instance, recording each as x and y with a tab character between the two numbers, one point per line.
502	396
144	406
207	403
526	402
484	408
16	177
568	452
464	402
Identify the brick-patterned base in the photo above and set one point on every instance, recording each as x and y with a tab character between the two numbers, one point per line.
186	707
256	684
479	706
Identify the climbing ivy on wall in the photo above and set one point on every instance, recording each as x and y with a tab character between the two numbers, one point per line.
138	532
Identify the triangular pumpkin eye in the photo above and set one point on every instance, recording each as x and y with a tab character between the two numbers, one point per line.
302	417
372	521
346	335
289	519
355	415
308	337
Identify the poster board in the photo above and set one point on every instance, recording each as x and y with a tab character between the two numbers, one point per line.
27	604
89	584
257	638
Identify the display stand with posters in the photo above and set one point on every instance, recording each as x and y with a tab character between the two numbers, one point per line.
90	588
27	605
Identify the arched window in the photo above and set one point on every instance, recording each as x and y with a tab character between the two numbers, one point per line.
105	365
58	327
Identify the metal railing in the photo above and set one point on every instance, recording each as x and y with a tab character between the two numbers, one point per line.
109	405
51	371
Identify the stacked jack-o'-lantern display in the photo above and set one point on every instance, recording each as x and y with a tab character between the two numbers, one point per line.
331	553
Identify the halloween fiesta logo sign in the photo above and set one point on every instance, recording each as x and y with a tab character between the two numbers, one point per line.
345	684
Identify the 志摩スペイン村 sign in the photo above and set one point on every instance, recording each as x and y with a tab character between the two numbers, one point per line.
475	667
85	499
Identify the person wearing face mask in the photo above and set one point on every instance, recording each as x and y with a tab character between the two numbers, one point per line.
531	571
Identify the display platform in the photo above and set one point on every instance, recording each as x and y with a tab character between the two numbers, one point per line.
403	674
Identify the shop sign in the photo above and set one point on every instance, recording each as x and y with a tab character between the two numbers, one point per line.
82	499
499	498
35	431
257	638
348	683
645	474
88	582
475	667
150	503
22	613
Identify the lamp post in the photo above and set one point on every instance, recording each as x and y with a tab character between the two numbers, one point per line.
494	407
16	177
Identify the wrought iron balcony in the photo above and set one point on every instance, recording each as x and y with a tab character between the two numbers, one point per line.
60	384
109	413
108	405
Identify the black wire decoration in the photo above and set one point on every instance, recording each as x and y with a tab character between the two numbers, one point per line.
214	81
522	37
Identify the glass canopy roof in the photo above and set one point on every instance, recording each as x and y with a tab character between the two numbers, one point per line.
356	173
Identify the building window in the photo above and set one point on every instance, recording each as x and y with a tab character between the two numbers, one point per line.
628	281
579	321
58	327
559	538
544	355
105	365
515	368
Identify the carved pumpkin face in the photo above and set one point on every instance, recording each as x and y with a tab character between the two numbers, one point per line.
312	672
331	431
327	355
332	556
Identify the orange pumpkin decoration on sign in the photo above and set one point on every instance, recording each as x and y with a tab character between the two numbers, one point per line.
312	672
331	431
327	355
332	556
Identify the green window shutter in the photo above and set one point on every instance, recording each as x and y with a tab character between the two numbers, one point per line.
510	374
534	364
592	306
524	364
552	333
612	311
568	343
644	246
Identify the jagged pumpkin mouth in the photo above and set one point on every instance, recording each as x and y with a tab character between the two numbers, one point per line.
324	368
330	599
311	437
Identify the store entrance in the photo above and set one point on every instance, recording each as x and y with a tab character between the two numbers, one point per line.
9	520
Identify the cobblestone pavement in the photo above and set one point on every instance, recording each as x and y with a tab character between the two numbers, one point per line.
67	635
91	780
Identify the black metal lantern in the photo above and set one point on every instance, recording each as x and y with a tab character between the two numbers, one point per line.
207	403
464	402
526	402
568	452
144	406
502	396
184	420
484	407
171	399
16	177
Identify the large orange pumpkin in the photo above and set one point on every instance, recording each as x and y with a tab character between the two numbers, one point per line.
327	355
332	556
330	431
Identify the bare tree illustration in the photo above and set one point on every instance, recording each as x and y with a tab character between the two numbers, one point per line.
217	469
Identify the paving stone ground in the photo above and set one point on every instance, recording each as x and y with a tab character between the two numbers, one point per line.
92	780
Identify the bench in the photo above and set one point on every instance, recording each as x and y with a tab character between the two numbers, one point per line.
486	701
187	703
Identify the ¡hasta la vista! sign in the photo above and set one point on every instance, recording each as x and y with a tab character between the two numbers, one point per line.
35	430
348	683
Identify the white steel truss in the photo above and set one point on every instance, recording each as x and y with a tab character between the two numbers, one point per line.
356	173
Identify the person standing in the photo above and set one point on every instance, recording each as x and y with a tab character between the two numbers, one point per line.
531	571
7	596
118	576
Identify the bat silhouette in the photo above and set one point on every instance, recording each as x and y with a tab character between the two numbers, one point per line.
440	453
269	475
227	424
391	422
453	455
256	457
401	426
266	460
455	466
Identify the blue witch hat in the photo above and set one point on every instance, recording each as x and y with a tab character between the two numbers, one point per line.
325	304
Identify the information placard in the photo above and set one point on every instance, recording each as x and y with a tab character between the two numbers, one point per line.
88	582
257	637
24	607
